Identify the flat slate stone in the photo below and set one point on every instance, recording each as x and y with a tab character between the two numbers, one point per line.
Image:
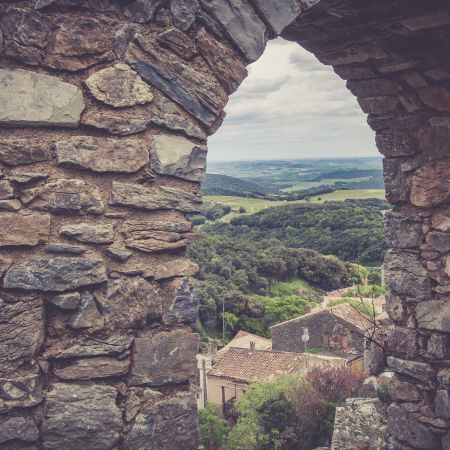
10	205
22	428
241	23
92	234
115	124
174	268
21	332
93	368
27	177
119	86
179	157
184	12
102	155
15	152
419	370
185	306
65	248
141	11
118	254
20	392
6	190
124	194
279	13
87	315
67	301
177	123
34	99
433	315
81	416
56	274
23	230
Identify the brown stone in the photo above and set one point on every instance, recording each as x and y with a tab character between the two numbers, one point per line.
431	184
5	264
115	124
178	42
15	152
396	182
435	139
373	88
20	392
6	190
93	234
442	404
378	105
394	308
21	428
433	315
403	341
444	377
10	205
437	346
392	143
92	368
441	221
437	97
87	314
174	268
26	230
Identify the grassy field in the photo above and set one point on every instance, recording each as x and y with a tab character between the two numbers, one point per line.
253	205
301	185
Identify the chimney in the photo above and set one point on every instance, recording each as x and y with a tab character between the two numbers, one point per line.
308	309
252	347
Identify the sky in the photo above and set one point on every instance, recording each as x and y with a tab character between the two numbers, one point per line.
291	106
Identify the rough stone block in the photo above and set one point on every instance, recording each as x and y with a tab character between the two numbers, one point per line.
394	308
102	155
67	301
15	152
6	190
444	377
184	12
81	416
20	392
378	105
177	123
402	231
419	370
179	42
396	183
278	13
403	341
10	205
87	314
174	268
373	87
93	234
185	306
26	177
115	124
436	97
439	241
404	391
442	404
23	230
438	346
34	99
22	428
431	184
141	11
392	143
65	248
441	221
118	254
433	315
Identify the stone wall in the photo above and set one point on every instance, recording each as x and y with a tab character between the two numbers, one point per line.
104	111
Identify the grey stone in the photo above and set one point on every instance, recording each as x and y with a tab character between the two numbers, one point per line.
167	357
10	205
442	404
27	177
196	92
211	24
241	23
419	370
433	315
441	221
121	39
405	275
87	315
177	123
6	190
179	157
93	368
112	345
34	99
119	86
23	230
402	231
65	248
439	241
444	377
185	306
405	427
21	332
93	234
278	13
141	11
65	197
56	274
394	307
15	152
20	392
40	4
67	301
437	346
402	390
102	155
118	254
81	416
129	303
124	194
22	428
183	12
170	424
175	267
115	124
403	341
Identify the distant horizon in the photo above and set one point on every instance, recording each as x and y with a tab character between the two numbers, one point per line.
380	156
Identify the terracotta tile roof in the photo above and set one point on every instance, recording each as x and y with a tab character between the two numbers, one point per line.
240	364
243	339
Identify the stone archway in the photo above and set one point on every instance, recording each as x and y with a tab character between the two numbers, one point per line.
95	344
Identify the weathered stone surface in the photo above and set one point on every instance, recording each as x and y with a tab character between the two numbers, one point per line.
155	236
118	254
141	11
404	391
241	23
185	306
403	341
122	38
10	205
119	86
444	377
437	97
433	315
405	427
396	143
164	358
441	221
373	88
113	345
396	183
179	42
405	275
402	231
87	315
92	368
22	428
67	301
15	152
115	124
170	424
65	197
6	190
65	248
438	346
81	416
26	230
394	307
93	234
56	274
174	268
183	12
179	157
442	404
21	332
102	155
431	184
418	370
176	123
129	303
439	241
5	264
278	13
195	91
33	99
124	194
20	392
27	177
378	105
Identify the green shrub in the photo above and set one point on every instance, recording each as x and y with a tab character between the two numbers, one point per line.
213	429
383	392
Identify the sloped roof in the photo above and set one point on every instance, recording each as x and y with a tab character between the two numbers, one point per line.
239	364
344	311
243	339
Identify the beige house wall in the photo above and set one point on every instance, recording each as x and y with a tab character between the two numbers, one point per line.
231	388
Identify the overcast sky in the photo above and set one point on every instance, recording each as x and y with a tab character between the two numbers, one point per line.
291	106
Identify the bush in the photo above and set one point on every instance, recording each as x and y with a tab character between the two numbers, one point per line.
242	210
213	429
383	392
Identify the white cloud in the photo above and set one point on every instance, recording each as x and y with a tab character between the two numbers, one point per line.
292	106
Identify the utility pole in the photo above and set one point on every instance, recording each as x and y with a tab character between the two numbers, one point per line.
223	321
205	390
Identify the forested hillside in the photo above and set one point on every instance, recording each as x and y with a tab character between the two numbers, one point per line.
216	184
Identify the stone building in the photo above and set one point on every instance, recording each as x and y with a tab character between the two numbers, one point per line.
105	107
